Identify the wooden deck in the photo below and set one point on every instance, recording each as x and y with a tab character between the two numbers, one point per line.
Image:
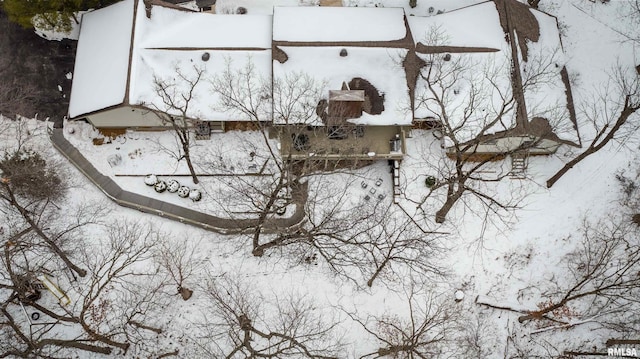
374	145
330	2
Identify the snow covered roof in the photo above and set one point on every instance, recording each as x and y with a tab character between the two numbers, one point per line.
381	67
372	50
478	27
469	88
170	28
474	38
125	48
111	69
102	59
338	24
548	98
473	43
173	41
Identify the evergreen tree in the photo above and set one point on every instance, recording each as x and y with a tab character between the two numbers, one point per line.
58	15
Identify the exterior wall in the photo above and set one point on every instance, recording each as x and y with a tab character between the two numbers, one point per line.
510	144
373	145
133	117
125	117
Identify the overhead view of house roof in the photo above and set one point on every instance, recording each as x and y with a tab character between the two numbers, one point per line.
337	24
320	179
152	47
363	48
477	37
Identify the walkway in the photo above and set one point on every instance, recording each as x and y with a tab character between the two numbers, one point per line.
168	210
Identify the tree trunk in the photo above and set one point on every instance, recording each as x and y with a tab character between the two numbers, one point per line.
54	247
187	157
377	273
569	165
74	344
628	109
441	214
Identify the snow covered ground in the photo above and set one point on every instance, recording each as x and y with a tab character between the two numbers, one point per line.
511	258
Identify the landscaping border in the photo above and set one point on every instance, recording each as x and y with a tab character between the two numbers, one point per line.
168	210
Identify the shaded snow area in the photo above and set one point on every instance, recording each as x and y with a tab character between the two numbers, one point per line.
359	276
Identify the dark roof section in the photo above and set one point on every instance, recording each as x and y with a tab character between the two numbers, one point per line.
172	4
205	3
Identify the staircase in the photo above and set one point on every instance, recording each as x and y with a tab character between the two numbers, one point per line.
519	165
397	192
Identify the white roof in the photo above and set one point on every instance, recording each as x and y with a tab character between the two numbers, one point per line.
163	64
338	24
380	66
170	28
548	98
478	26
487	101
473	27
171	40
102	59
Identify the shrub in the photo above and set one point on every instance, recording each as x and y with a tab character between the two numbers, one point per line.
430	181
28	174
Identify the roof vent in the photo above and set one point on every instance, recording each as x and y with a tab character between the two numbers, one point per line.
343	53
206	56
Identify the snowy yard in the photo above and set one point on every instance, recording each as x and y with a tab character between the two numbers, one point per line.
359	277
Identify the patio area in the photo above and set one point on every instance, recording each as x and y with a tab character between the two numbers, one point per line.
356	143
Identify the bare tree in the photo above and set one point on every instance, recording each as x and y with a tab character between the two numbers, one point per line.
240	322
360	240
612	112
428	331
243	92
28	189
602	286
470	96
179	259
110	310
177	96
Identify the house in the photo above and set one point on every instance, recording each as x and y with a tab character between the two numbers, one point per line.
540	117
125	49
364	108
362	70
